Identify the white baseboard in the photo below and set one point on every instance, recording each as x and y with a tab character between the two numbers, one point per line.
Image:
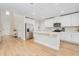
53	47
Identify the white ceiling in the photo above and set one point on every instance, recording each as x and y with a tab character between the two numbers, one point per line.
40	11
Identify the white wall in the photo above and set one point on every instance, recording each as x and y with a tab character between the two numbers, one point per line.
20	26
38	25
5	20
42	26
7	24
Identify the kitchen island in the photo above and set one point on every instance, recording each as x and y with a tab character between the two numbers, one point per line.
50	39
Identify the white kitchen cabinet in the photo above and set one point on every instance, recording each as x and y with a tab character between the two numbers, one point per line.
75	38
70	20
70	37
65	36
48	39
75	19
66	20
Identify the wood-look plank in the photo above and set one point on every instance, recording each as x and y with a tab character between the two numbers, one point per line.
17	47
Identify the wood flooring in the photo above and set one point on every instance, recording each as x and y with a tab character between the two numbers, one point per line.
10	46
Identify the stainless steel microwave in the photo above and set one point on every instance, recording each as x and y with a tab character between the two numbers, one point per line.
57	24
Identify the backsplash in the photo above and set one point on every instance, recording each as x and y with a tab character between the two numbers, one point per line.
67	29
72	29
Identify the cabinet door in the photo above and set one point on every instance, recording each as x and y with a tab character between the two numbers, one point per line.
66	20
75	38
75	19
66	36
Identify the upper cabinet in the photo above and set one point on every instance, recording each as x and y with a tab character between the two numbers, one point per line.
65	20
68	20
75	19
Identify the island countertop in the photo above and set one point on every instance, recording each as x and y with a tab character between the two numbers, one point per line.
50	39
47	33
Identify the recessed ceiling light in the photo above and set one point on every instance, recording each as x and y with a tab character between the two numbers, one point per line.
7	13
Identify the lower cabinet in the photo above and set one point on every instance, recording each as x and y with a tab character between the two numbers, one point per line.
75	38
65	36
70	37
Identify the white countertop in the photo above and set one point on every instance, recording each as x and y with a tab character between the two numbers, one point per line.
46	33
54	33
